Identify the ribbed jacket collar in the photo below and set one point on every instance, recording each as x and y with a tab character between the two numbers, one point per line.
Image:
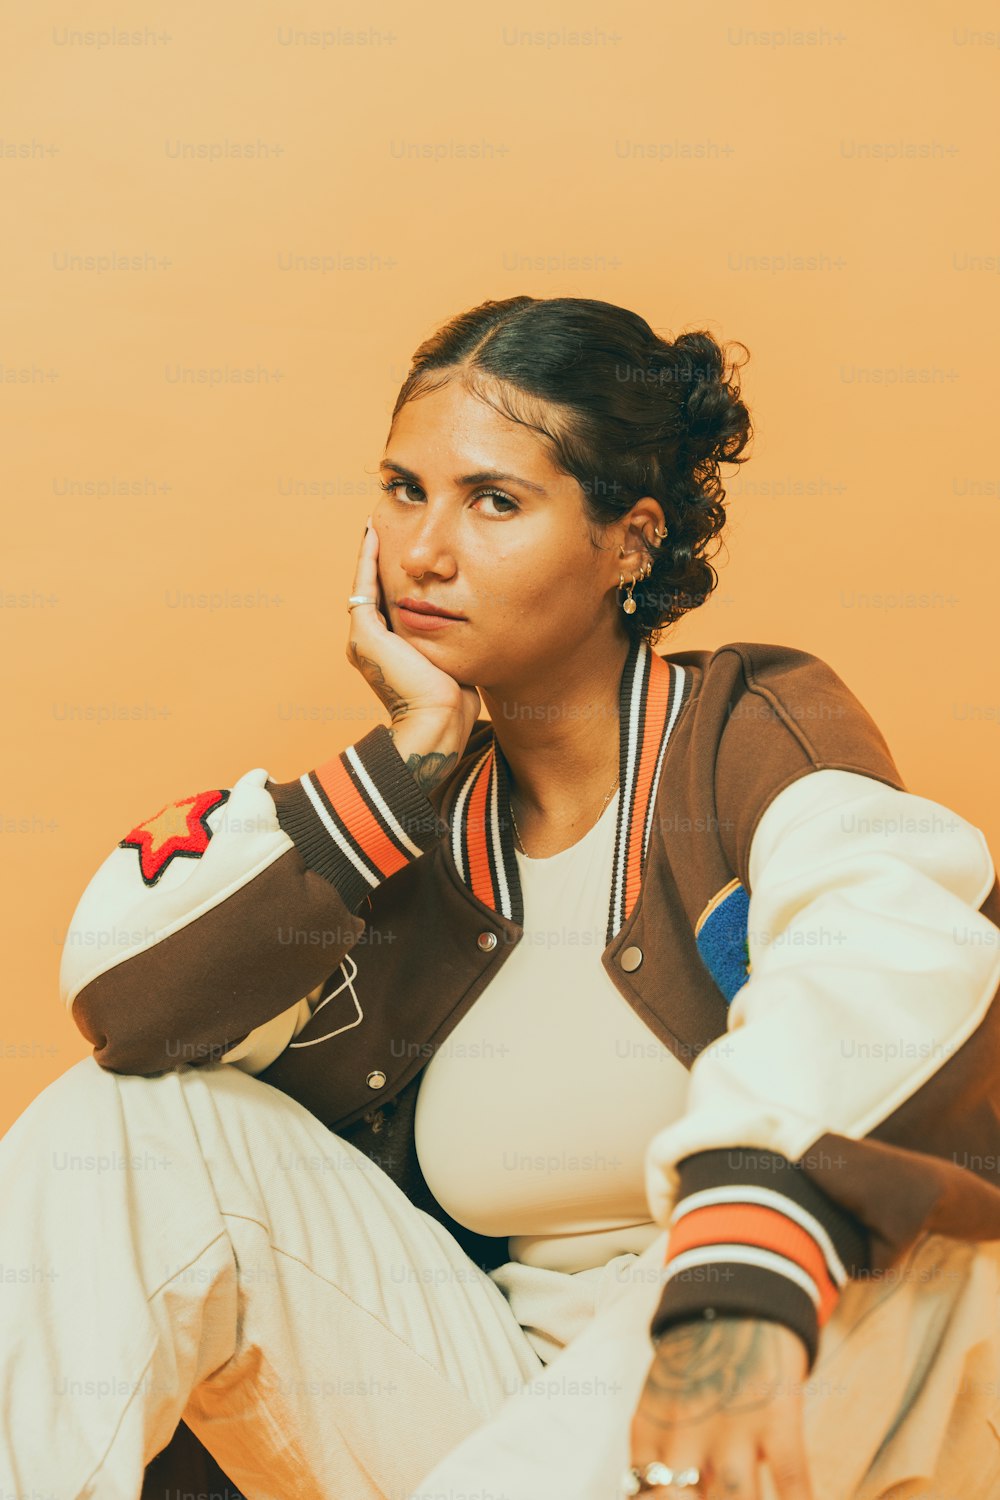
651	693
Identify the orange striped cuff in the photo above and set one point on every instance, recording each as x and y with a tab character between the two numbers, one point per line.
751	1235
359	817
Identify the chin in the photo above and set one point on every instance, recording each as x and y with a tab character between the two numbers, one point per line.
458	661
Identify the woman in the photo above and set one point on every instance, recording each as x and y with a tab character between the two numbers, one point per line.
731	1161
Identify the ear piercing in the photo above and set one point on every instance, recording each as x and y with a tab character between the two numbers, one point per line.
628	603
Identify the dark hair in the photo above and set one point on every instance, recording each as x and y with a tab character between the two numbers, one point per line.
624	411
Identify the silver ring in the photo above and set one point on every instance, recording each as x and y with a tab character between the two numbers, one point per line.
354	599
656	1475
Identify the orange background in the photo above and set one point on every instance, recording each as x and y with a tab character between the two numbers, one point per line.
819	187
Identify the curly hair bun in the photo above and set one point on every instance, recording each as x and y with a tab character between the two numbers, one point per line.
714	418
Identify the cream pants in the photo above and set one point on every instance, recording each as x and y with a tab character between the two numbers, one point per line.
199	1245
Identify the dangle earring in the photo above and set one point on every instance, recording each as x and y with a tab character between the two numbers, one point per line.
628	603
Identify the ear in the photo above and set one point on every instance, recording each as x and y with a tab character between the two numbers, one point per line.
641	541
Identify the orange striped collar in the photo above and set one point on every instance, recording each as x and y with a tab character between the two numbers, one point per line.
651	694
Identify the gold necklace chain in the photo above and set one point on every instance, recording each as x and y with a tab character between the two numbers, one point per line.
596	820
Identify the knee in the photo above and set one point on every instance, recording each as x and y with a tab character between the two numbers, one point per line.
79	1095
98	1105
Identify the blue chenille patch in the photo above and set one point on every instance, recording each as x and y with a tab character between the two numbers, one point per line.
722	940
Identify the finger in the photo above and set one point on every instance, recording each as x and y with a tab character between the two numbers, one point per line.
733	1474
362	565
649	1443
359	561
377	591
366	576
788	1464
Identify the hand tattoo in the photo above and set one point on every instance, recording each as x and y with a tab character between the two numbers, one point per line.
375	677
731	1364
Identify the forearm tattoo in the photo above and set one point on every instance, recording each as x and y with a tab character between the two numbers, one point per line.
431	768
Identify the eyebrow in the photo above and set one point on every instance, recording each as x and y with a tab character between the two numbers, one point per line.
482	477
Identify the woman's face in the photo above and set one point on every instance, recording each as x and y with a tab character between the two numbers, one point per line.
511	556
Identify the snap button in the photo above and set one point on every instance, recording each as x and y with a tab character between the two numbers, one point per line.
487	940
631	958
375	1080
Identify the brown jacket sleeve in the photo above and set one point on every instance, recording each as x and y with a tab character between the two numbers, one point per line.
227	907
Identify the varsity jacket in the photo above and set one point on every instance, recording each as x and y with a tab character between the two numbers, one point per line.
830	983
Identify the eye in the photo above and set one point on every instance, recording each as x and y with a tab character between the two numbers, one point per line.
496	495
396	484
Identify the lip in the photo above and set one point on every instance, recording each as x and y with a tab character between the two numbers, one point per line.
414	619
423	607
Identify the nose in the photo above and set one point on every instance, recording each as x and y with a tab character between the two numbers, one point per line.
426	546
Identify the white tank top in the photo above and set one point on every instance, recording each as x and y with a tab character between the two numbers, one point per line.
534	1114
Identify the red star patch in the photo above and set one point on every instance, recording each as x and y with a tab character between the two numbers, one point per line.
177	829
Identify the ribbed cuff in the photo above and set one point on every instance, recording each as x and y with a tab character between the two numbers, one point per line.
751	1235
359	817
